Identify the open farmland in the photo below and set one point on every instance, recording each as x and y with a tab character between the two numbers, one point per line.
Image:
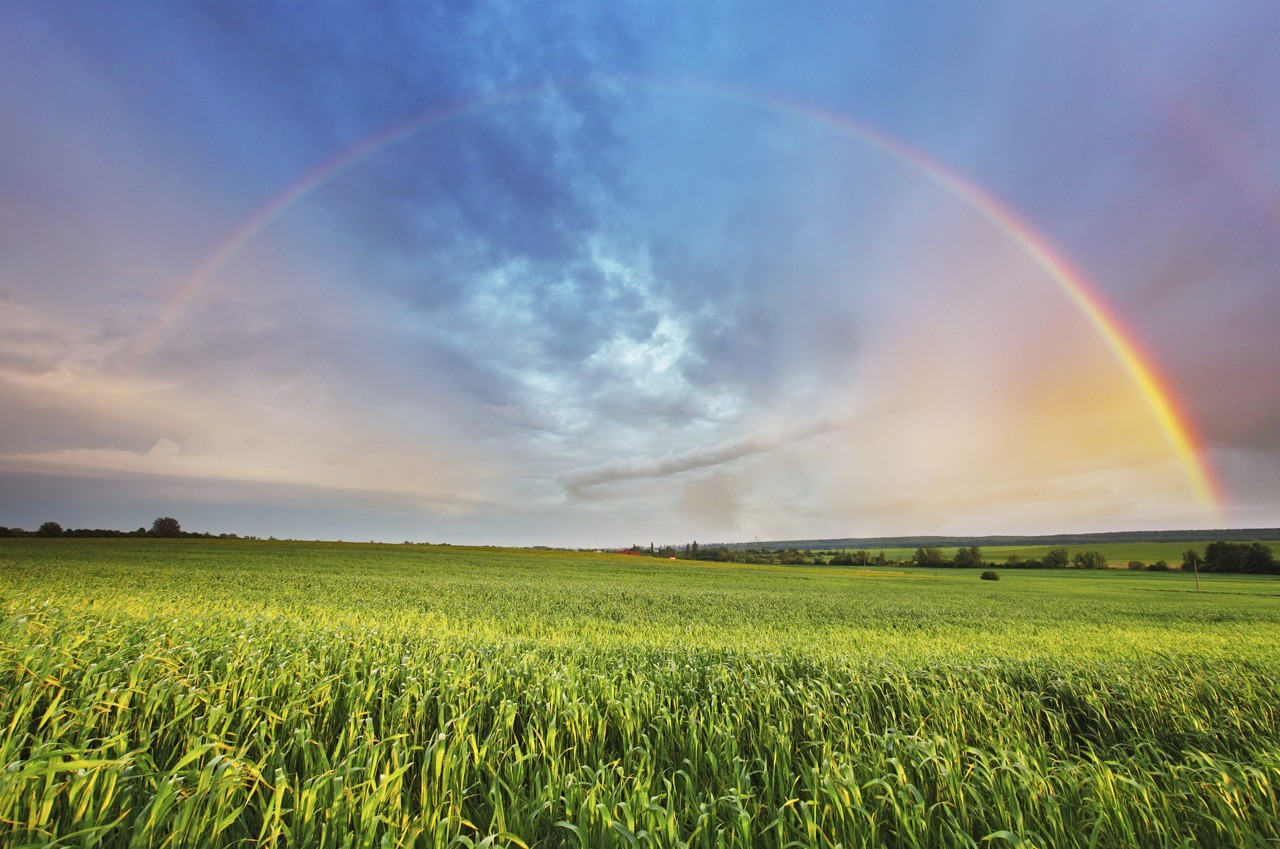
198	692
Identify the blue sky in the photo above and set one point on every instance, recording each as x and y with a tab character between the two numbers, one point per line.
592	274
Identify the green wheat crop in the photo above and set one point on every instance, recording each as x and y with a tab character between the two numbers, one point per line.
220	693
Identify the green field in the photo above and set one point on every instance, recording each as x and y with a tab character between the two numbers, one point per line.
195	693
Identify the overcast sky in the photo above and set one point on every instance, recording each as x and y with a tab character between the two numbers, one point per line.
612	273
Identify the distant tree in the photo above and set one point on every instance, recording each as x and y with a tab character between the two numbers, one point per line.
1136	565
1056	558
1089	560
1239	557
166	526
968	557
990	575
1159	566
1014	560
929	556
50	529
1259	560
862	557
1224	557
880	560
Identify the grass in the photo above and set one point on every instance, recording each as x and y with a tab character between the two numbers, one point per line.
194	692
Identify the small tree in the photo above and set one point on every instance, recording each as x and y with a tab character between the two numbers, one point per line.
929	556
1056	558
1089	560
1136	565
166	526
50	529
1259	560
1222	556
991	575
968	557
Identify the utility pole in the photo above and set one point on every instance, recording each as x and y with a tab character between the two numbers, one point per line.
1194	557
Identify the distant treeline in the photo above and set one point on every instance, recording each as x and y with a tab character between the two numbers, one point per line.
1218	535
165	527
1220	556
726	554
1254	558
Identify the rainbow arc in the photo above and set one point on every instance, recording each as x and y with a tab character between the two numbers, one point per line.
1154	390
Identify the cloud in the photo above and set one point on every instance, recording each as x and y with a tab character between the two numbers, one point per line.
577	482
164	449
371	476
507	412
284	426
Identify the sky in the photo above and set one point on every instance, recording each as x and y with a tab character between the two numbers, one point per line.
585	274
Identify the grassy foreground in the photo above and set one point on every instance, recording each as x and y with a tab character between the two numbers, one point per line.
195	693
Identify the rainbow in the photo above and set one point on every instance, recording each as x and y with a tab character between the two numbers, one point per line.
1155	391
248	229
1175	423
